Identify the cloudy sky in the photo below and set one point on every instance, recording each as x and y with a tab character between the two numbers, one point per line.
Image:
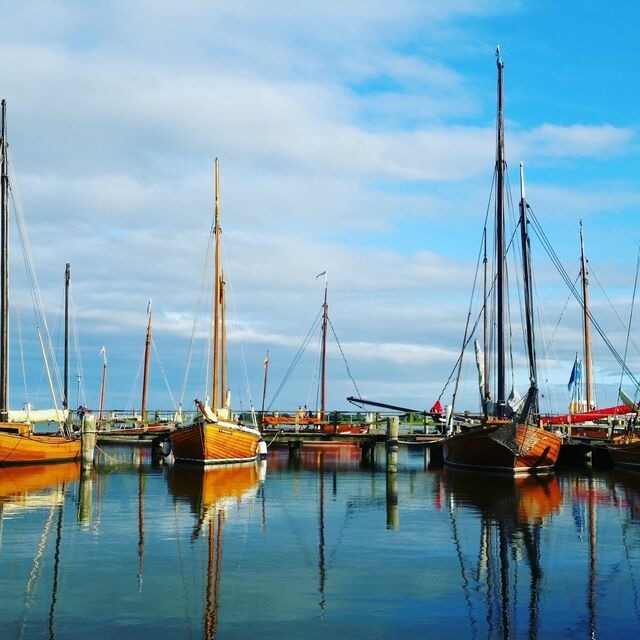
354	137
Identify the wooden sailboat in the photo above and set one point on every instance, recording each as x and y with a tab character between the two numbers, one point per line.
215	437
320	419
582	405
503	442
137	429
18	443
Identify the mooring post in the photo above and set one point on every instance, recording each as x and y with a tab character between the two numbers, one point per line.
88	439
294	449
367	453
393	423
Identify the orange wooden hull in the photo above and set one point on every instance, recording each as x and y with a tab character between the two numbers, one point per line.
626	456
19	446
214	443
506	448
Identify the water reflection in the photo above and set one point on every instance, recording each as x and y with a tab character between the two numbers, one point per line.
33	486
210	492
511	512
302	551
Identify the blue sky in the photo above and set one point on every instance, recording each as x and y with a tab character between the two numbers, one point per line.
353	137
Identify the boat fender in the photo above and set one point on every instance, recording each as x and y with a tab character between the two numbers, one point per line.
166	447
262	449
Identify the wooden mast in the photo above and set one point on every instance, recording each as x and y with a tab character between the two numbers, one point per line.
67	279
103	353
323	373
586	326
216	294
500	247
264	386
145	371
223	343
4	272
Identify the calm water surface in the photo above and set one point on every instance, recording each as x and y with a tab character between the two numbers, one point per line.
319	548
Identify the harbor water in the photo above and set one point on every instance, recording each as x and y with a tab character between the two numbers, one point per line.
316	546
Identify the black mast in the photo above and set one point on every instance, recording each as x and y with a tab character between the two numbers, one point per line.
500	246
67	279
531	405
4	271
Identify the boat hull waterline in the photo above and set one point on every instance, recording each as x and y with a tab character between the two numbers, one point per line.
626	456
515	449
21	446
214	443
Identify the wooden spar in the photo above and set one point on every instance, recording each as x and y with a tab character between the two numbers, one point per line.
216	294
103	352
500	247
264	387
586	326
325	321
67	279
223	342
4	272
145	371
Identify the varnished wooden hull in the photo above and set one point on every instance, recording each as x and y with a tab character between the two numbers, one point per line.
214	443
626	456
29	448
505	448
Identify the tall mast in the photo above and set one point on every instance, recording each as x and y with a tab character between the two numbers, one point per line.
264	386
103	386
500	246
323	378
532	404
216	292
4	271
145	372
586	325
223	341
486	391
67	279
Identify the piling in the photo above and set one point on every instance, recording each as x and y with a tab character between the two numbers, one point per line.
88	439
393	424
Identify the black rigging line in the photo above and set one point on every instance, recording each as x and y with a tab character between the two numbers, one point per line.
576	294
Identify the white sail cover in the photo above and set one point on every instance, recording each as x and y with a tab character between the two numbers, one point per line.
38	415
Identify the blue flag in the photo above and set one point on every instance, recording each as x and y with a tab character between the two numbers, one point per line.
575	374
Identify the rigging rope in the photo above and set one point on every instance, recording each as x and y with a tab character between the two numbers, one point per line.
578	296
296	359
346	364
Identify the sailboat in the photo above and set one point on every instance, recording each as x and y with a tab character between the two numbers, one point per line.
137	429
215	437
321	419
504	442
582	405
18	442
